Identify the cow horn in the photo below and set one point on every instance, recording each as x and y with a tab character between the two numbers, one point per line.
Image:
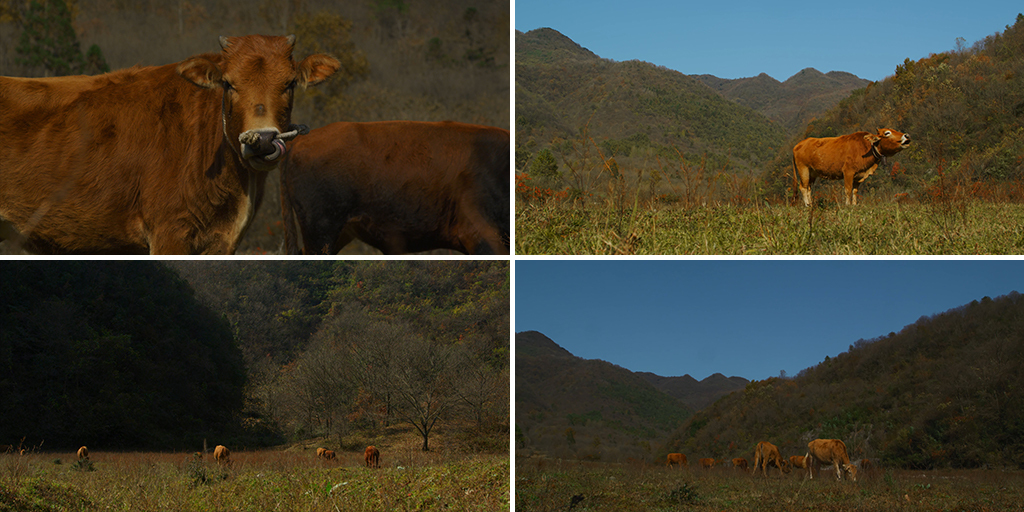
291	39
224	43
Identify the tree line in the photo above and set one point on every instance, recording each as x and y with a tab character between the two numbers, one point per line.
163	355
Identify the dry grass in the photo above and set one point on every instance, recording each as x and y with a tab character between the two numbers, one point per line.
255	480
555	485
969	227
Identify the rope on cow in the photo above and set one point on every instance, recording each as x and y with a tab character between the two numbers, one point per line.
296	130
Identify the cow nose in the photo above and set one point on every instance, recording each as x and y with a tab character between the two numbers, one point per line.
259	143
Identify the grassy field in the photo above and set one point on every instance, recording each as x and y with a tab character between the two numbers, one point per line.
552	485
286	480
962	227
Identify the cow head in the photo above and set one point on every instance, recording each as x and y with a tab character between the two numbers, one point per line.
851	471
888	142
259	77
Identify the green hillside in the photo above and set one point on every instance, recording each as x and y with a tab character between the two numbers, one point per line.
571	408
566	93
945	391
964	110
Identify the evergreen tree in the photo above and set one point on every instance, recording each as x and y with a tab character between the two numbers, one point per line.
48	40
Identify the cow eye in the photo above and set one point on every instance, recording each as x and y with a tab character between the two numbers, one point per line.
888	133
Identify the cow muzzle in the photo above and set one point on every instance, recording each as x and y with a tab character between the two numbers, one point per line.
905	140
263	147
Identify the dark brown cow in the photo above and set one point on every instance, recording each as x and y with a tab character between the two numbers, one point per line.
372	457
83	453
399	186
851	157
163	160
766	453
831	451
330	455
676	459
740	463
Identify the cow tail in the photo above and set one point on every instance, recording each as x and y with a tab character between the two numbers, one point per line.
291	242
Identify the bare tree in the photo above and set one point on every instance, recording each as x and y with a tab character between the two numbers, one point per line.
426	384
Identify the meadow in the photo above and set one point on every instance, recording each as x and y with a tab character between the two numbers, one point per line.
289	480
551	484
961	227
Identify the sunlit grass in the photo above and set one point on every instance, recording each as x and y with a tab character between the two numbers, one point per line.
974	227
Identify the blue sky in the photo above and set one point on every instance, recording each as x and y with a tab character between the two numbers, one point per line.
741	38
744	318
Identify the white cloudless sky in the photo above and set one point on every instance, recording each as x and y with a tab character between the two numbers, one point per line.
743	38
740	318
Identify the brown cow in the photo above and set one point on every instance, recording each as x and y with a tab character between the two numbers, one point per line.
372	456
766	453
399	186
221	454
800	461
831	451
330	455
320	452
740	463
676	459
851	157
706	463
163	160
83	453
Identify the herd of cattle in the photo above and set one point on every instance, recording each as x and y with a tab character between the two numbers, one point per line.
819	452
173	159
222	455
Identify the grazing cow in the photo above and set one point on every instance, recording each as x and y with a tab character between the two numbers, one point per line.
83	453
676	459
320	452
831	451
800	461
766	453
399	186
740	463
851	157
707	463
372	457
330	455
162	160
221	454
197	456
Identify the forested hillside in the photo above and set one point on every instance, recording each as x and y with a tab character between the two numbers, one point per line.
945	391
164	355
791	103
964	110
575	408
115	354
566	93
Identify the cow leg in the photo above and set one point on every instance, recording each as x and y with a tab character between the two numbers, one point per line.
803	181
848	185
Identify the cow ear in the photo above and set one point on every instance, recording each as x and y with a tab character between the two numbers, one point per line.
317	68
872	139
200	71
